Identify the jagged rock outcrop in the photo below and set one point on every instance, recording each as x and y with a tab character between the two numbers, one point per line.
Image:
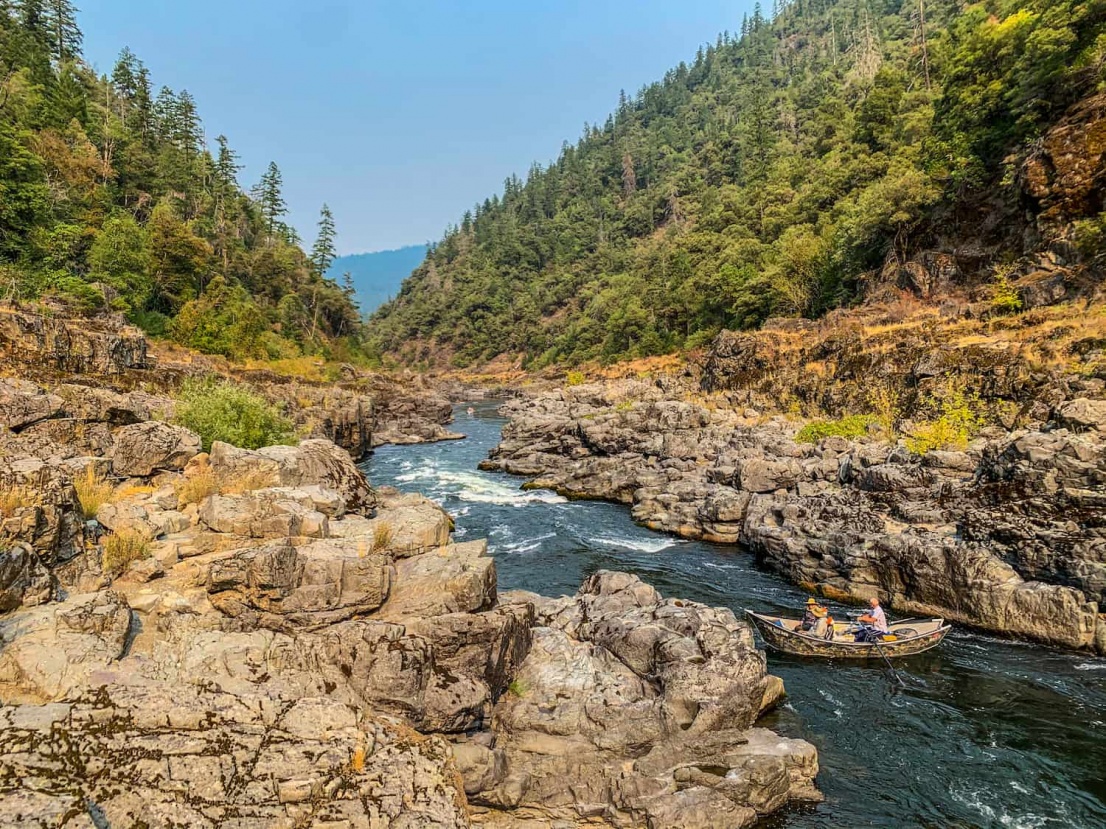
261	639
48	342
1008	536
636	710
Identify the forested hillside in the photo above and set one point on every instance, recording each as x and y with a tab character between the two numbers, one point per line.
771	175
110	198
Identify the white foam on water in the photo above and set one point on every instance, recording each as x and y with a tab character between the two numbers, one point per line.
832	700
528	545
975	800
1091	666
652	545
480	489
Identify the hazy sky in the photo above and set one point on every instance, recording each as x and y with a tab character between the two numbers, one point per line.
400	114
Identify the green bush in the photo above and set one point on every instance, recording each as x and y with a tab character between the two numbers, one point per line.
852	426
958	421
575	378
1006	299
223	411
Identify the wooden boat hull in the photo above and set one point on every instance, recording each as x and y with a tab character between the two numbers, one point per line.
778	634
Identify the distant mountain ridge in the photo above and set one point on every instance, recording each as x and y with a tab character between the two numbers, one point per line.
377	276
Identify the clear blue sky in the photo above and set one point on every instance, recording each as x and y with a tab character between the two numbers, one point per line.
401	114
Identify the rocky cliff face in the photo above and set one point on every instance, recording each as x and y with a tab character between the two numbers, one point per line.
1007	536
258	638
358	413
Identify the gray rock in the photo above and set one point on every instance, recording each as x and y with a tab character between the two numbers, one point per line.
142	449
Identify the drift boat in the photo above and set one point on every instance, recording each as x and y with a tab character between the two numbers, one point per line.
904	639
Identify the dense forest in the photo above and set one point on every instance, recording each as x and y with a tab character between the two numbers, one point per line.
111	199
764	178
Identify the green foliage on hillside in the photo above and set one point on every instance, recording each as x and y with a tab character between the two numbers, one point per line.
109	199
762	179
223	411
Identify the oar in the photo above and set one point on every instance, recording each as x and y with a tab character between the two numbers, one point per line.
894	673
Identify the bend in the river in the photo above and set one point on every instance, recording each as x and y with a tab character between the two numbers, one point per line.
987	734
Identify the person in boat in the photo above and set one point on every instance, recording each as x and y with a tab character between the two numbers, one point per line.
816	619
873	624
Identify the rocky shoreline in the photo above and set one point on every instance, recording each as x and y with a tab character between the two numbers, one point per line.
1008	536
258	638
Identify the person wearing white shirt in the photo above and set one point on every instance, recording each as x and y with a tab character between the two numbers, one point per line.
875	616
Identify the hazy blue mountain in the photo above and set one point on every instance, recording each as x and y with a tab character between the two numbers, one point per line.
377	276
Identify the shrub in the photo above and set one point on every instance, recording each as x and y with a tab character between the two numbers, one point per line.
194	488
852	426
383	535
16	498
92	491
575	378
122	548
224	411
1006	299
958	421
886	407
518	688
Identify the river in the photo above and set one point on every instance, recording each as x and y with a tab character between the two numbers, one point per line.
986	734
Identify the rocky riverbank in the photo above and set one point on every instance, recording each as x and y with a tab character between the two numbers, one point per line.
359	411
1008	536
259	638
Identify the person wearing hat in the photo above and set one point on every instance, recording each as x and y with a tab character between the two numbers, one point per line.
815	618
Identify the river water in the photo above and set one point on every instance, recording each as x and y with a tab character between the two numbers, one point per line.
986	734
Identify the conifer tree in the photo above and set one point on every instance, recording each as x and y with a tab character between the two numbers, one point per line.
270	199
65	35
323	252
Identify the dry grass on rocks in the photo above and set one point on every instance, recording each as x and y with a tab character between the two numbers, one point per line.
122	548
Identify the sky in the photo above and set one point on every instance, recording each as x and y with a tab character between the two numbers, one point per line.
400	114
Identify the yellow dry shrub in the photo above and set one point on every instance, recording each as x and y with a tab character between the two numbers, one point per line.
194	488
15	498
383	535
122	548
92	491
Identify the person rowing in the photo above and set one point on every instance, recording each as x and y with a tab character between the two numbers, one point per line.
873	624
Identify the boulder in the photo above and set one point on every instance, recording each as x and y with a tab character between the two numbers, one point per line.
634	709
459	578
23	404
1083	414
312	463
284	587
142	449
277	512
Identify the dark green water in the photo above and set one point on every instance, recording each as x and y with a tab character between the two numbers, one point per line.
988	734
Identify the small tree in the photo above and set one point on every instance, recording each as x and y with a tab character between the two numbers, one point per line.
323	253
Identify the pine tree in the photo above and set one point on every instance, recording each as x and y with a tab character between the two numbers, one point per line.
188	132
65	35
226	165
323	252
270	198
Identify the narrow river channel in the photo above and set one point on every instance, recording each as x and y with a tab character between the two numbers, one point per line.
986	733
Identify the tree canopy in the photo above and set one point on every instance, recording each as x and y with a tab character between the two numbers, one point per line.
110	198
764	178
